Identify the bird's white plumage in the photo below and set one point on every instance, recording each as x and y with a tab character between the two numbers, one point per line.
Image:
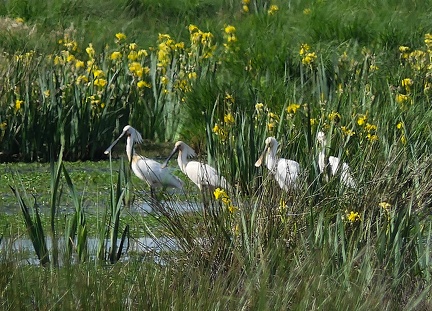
202	175
146	169
151	172
334	164
285	171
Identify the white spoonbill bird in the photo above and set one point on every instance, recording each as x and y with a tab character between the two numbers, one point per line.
146	169
333	163
202	175
286	172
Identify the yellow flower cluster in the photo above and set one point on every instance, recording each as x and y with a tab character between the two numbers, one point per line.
417	59
100	82
259	107
307	58
353	217
403	99
404	52
304	48
130	51
221	195
229	119
68	43
407	83
292	108
180	79
428	42
120	37
166	46
273	120
82	79
3	127
401	127
245	6
347	132
137	70
18	104
24	59
334	116
273	9
385	206
420	62
313	121
222	129
201	42
230	38
370	130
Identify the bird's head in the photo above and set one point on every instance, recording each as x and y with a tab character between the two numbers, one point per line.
183	149
270	144
129	131
321	138
135	136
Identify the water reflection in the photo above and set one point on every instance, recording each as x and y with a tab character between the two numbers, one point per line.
23	248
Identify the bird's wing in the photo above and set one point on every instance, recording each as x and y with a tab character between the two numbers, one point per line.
193	171
347	177
287	172
204	174
334	164
152	171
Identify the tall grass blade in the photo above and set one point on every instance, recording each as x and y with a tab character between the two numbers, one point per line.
34	228
55	195
78	221
123	240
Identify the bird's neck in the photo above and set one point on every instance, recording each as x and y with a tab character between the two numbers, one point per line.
182	161
271	159
322	157
130	151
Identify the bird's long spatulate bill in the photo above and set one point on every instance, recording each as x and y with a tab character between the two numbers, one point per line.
169	158
260	159
108	150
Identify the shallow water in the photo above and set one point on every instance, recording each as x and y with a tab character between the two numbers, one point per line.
22	248
92	181
179	207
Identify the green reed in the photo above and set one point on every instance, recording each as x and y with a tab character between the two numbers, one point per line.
75	234
34	228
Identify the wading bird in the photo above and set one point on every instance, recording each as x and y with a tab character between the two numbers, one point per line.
286	172
332	164
146	169
202	175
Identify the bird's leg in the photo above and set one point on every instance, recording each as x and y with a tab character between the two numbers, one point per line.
152	192
206	203
155	204
327	170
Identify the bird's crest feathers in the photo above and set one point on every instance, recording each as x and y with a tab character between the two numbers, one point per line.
183	147
135	135
321	137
